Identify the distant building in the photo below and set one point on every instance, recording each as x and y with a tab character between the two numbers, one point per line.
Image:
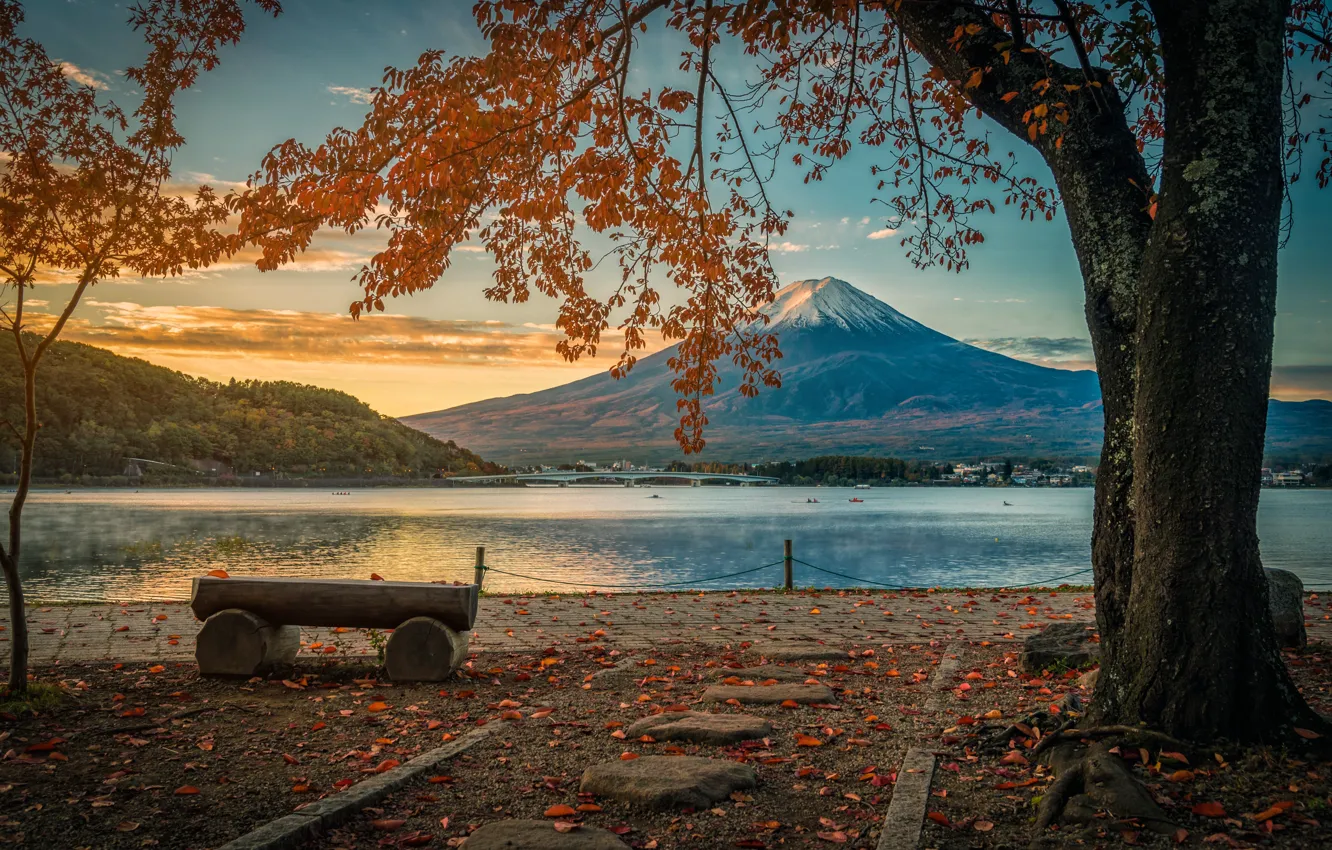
1288	479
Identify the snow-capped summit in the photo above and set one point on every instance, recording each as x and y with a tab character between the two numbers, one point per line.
829	301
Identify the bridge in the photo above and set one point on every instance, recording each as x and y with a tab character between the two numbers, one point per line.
565	478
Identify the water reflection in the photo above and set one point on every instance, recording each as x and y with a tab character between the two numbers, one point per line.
121	545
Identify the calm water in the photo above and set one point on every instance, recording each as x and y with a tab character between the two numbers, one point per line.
121	545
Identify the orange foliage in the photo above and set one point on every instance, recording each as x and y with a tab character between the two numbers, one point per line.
544	142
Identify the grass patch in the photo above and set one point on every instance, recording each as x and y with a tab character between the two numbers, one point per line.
38	698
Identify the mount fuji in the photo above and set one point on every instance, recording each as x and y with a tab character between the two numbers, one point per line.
858	377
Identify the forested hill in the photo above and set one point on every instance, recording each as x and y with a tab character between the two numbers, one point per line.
97	409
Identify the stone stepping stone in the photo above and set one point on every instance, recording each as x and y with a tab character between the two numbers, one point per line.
668	782
769	694
1069	644
762	673
800	652
540	835
700	727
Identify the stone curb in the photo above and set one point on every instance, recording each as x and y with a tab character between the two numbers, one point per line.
296	828
905	818
943	676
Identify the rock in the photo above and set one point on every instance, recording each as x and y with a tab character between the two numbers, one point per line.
234	642
768	694
1088	679
699	727
1069	644
540	835
799	652
1285	597
424	650
762	673
668	782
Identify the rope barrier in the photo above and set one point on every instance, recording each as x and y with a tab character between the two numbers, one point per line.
852	578
1046	583
629	586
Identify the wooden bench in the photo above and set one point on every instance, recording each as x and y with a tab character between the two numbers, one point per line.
251	625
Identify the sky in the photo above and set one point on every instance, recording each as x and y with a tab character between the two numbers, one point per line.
308	71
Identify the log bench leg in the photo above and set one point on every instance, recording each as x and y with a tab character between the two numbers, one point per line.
424	650
235	642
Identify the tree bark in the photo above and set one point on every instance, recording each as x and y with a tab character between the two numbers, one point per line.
1197	656
9	557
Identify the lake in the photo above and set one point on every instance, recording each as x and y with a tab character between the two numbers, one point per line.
125	545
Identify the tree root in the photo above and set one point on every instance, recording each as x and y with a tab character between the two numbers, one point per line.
1073	734
1107	784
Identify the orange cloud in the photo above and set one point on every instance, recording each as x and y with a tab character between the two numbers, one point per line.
127	327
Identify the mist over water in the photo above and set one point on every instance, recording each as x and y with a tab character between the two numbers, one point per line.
123	545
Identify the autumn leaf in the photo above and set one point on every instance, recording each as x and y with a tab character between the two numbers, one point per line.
376	707
565	826
186	791
388	824
807	741
939	818
560	811
219	574
376	577
1209	810
1307	733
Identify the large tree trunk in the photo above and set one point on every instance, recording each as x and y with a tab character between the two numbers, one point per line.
1197	656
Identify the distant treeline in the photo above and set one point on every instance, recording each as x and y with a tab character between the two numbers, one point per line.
836	470
98	409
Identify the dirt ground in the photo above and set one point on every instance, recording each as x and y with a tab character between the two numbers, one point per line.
1223	797
149	755
152	755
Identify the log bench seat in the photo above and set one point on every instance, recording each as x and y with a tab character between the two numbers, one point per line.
252	624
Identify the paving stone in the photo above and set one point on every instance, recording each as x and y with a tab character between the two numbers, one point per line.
699	727
540	835
668	782
763	672
769	694
799	652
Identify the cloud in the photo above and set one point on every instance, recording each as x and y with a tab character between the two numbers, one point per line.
151	331
865	220
84	76
1056	353
882	234
1301	382
355	95
1037	347
789	247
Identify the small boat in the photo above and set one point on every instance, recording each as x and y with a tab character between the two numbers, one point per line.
654	496
1008	504
811	501
855	500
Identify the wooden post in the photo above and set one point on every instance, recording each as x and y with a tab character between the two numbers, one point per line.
786	564
479	575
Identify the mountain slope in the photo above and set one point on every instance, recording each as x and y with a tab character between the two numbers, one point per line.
858	377
98	408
